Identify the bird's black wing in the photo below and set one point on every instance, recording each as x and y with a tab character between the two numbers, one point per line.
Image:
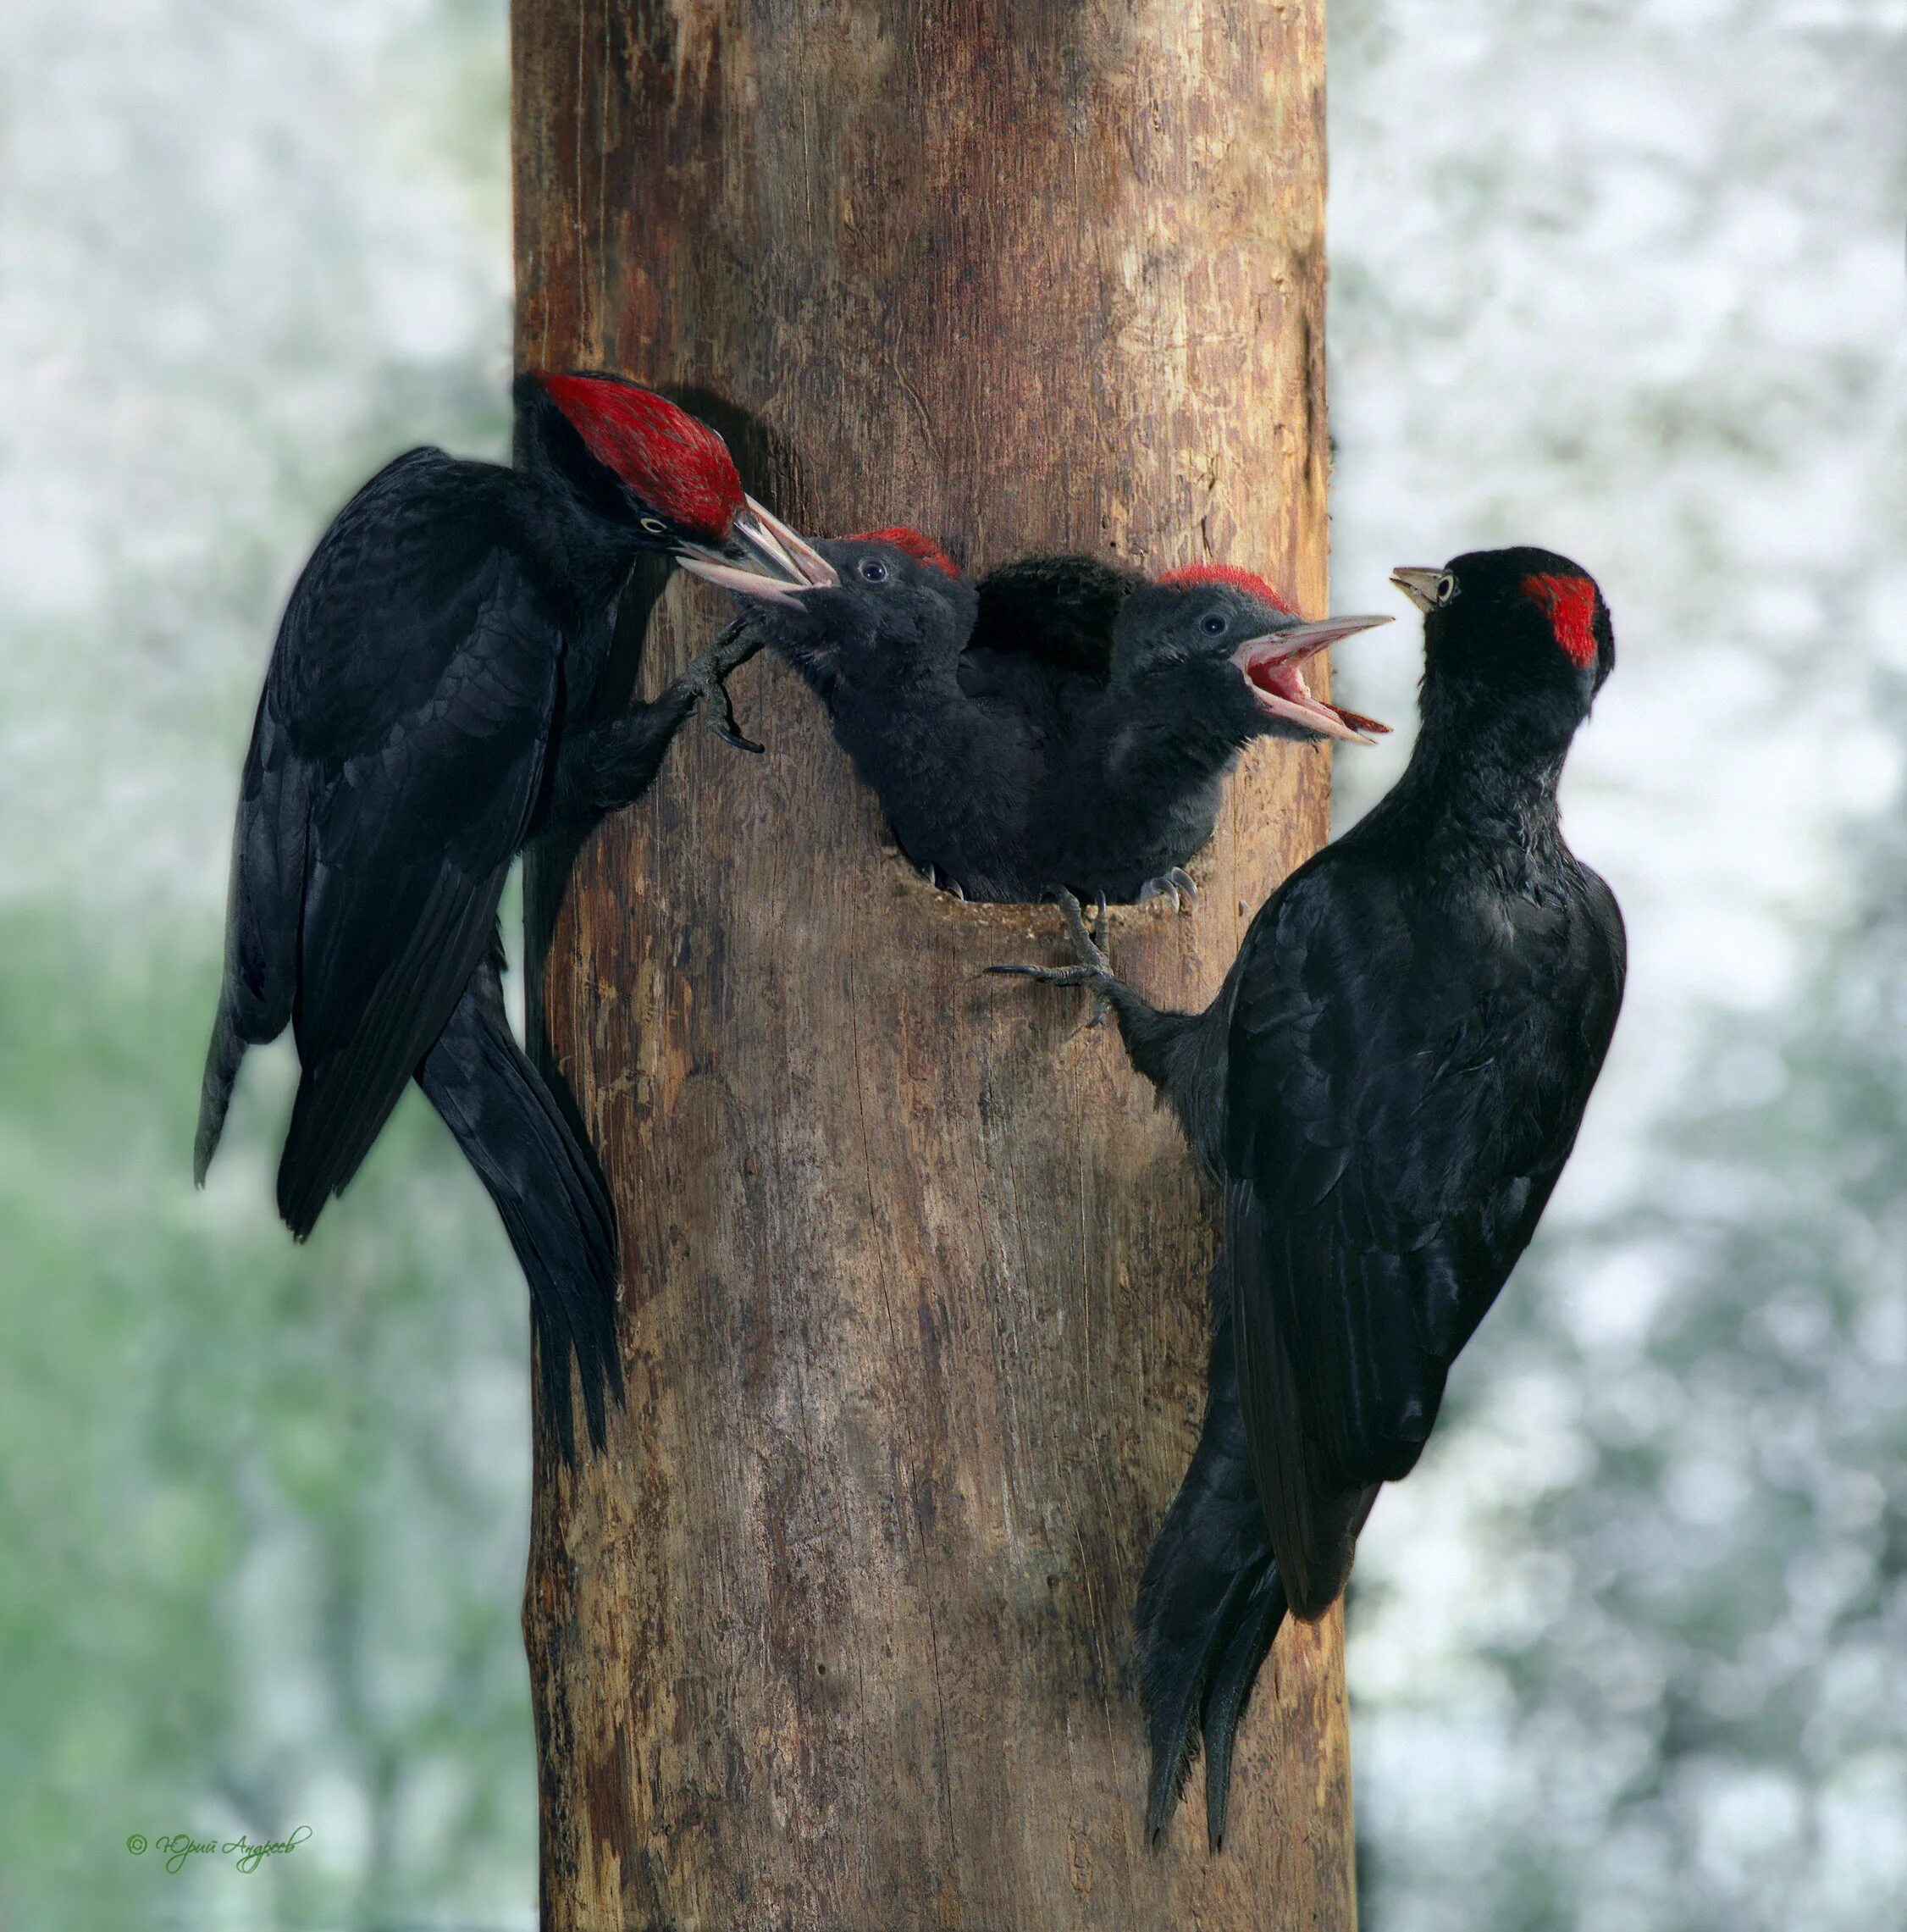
1042	643
264	908
1406	1080
398	749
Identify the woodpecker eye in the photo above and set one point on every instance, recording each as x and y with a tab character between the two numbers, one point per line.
1213	626
1447	588
655	526
873	570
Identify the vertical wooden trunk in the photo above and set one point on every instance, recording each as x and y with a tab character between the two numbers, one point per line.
838	1634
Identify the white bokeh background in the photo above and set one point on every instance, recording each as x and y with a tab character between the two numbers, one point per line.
1627	281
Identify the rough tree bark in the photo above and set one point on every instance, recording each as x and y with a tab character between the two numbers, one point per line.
838	1634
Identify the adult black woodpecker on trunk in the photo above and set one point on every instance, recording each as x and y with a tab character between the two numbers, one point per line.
426	709
1385	1092
1062	723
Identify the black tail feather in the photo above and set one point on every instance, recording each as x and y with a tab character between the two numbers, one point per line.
222	1056
1181	1637
551	1193
1210	1604
1246	1647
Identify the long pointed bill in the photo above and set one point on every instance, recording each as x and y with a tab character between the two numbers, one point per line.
748	533
1426	589
763	558
809	565
1272	666
753	584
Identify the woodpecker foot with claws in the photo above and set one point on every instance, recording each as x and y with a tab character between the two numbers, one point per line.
1094	968
1178	885
707	681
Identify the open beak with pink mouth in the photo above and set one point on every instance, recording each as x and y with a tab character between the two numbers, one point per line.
1274	667
759	537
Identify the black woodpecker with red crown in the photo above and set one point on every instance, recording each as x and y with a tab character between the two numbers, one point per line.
1385	1093
426	709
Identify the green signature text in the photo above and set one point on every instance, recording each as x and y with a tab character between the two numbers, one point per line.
177	1848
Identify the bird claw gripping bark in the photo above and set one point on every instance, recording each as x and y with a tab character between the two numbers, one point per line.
706	678
1088	946
1095	966
1178	885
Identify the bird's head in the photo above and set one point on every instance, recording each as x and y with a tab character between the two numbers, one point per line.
1521	629
892	597
1212	617
664	478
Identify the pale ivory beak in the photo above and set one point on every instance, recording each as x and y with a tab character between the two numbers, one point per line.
1426	589
758	537
1272	666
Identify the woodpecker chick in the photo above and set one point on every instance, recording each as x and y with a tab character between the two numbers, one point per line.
881	648
1042	648
1070	723
1204	660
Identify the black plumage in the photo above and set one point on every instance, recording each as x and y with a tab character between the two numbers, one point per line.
1065	723
882	649
547	1188
1211	1599
1041	650
426	709
1385	1093
1203	662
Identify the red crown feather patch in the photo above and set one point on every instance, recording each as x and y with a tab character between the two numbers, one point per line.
922	549
1245	580
677	466
1570	602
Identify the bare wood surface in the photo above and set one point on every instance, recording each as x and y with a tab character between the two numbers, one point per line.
837	1635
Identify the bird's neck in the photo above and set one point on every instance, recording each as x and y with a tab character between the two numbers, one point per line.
920	671
1480	791
584	558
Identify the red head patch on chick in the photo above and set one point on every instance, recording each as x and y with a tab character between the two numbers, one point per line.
1252	584
911	543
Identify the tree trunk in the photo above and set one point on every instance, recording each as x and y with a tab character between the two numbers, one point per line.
838	1634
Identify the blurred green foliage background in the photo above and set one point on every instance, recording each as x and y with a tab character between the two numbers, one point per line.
1620	276
263	1509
